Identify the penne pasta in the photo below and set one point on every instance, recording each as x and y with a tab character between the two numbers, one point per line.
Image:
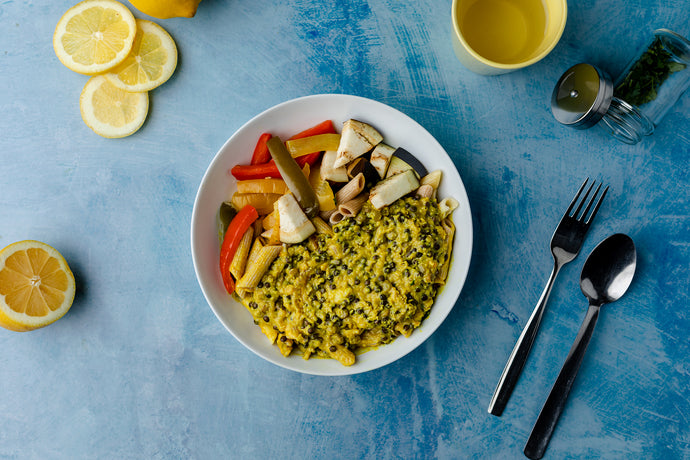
351	189
321	226
326	215
449	227
239	261
447	206
242	293
336	217
433	179
351	208
258	266
425	191
254	251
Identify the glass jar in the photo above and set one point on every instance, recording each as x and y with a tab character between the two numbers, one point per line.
631	108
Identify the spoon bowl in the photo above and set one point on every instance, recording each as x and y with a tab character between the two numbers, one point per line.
609	269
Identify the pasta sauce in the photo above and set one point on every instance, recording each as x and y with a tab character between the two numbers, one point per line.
374	278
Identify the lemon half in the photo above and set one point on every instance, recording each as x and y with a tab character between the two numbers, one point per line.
110	111
164	9
36	286
150	63
94	36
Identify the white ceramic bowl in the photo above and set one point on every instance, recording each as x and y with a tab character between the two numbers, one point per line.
284	120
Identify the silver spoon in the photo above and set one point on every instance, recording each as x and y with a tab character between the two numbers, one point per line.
606	276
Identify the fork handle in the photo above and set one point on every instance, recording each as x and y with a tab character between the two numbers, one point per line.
521	350
553	407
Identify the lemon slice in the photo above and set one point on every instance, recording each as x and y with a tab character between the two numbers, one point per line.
111	111
150	63
36	286
95	35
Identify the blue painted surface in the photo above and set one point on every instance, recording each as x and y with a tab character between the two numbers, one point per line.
140	367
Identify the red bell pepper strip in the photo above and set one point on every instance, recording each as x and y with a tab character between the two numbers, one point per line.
261	154
325	127
266	170
238	226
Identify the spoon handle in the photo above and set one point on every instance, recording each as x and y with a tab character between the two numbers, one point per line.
518	357
553	407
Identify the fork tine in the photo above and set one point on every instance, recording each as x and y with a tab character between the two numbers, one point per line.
596	207
591	201
572	203
577	211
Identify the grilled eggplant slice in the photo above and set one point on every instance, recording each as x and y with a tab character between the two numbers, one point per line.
356	139
381	157
295	227
330	172
403	160
392	188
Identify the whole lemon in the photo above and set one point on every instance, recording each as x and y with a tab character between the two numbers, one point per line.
164	9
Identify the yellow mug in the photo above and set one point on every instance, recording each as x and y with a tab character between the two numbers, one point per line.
492	37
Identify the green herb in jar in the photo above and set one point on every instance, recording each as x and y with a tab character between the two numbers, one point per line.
644	78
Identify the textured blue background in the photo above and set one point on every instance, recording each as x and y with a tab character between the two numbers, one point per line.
140	367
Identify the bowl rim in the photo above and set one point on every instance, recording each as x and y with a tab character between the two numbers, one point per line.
459	265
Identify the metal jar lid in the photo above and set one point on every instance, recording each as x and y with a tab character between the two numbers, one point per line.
582	96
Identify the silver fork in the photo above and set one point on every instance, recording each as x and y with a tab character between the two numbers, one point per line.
565	245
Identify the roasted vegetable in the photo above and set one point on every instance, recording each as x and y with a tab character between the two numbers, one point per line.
392	188
324	127
262	186
226	213
295	227
361	165
262	202
293	176
329	172
261	155
356	139
238	226
381	157
311	144
322	189
267	170
403	160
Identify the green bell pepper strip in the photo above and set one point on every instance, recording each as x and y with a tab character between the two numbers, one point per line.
293	177
238	226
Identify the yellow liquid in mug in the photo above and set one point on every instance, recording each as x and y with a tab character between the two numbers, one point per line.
505	31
